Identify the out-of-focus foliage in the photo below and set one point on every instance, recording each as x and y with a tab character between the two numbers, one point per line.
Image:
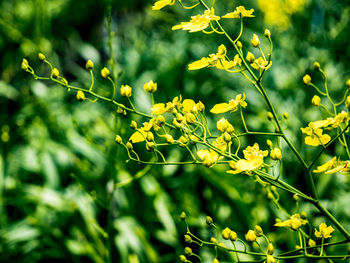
66	193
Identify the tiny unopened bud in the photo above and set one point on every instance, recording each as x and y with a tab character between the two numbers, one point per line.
258	231
250	57
316	66
125	91
183	258
267	33
239	44
347	102
230	129
200	106
316	100
41	57
270	249
118	139
25	64
129	146
80	95
207	162
183	140
285	115
120	110
150	136
226	233
311	243
227	137
269	196
269	143
188	251
222	124
169	138
255	41
213	240
150	146
188	239
270	259
269	116
303	215
296	197
348	83
160	120
216	260
276	154
133	125
307	79
190	118
55	73
89	65
183	216
150	87
209	220
105	73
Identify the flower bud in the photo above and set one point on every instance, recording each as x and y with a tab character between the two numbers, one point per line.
239	44
213	240
348	83
188	251
41	57
160	120
347	102
207	162
183	258
183	141
222	50
230	129
169	138
89	65
216	260
183	216
255	41
316	66
125	91
80	95
270	249
150	136
296	197
150	87
303	215
209	220
250	236
311	243
270	259
105	73
118	139
285	115
258	231
276	154
222	124
226	233
129	146
133	125
269	116
227	137
233	236
188	239
190	118
269	143
55	73
250	57
25	64
267	33
200	106
307	79
150	146
316	100
269	196
120	110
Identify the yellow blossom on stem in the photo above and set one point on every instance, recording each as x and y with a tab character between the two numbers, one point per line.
250	236
315	136
161	3
324	231
231	106
295	222
253	159
198	22
150	87
240	12
189	106
260	63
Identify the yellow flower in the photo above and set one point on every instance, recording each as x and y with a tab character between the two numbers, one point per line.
210	157
324	231
150	87
198	22
326	166
240	12
105	73
214	60
250	236
276	154
80	95
161	108
316	100
161	3
260	63
125	91
295	222
222	124
189	106
253	159
333	166
231	106
315	136
141	134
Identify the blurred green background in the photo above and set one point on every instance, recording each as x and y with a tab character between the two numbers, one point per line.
66	192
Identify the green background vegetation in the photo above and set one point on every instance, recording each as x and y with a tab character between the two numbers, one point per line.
66	192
